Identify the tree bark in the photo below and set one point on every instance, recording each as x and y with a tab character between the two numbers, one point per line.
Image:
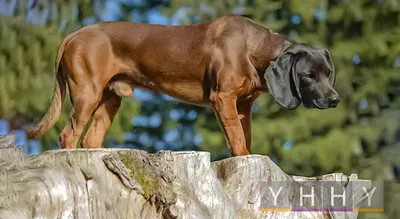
128	183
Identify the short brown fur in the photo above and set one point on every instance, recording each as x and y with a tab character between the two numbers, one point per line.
218	64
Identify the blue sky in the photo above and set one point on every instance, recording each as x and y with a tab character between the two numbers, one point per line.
112	11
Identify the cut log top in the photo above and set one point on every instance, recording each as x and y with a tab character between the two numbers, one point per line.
129	183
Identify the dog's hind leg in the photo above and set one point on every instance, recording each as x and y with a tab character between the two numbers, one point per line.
83	105
102	119
89	64
85	96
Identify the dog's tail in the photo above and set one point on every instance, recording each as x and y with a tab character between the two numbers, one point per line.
54	112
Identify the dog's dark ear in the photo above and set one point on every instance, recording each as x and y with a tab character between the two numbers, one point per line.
332	76
282	81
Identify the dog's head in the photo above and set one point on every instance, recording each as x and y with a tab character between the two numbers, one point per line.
302	74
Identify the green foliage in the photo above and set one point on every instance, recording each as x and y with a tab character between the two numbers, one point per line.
359	136
337	139
27	55
27	74
362	36
64	15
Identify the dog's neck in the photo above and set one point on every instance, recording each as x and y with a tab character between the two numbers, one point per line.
269	45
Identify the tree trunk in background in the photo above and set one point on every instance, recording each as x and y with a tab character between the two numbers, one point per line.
127	183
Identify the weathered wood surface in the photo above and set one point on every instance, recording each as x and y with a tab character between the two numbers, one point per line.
125	183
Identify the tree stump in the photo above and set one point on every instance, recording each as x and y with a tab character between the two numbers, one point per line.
129	183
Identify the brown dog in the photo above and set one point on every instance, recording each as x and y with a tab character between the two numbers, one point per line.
224	64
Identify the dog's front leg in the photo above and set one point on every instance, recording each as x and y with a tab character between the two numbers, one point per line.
244	110
224	106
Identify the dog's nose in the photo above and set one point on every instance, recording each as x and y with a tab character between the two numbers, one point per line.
334	100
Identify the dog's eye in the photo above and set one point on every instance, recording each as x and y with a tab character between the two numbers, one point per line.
308	75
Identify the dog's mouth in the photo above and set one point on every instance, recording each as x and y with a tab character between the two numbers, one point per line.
318	105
